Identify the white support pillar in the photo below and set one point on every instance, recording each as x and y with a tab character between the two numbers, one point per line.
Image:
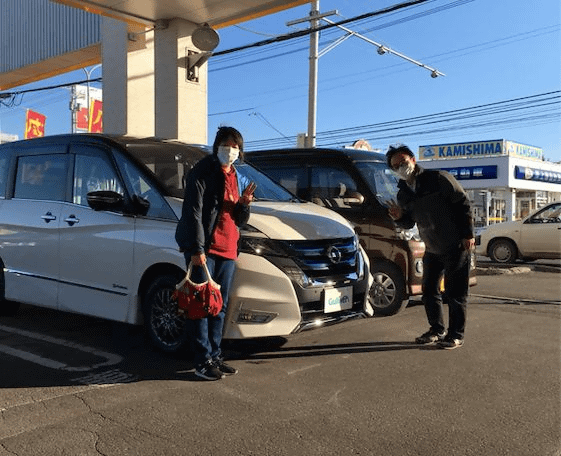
510	204
165	82
180	106
114	58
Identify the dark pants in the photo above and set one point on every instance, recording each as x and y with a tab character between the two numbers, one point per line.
455	266
207	332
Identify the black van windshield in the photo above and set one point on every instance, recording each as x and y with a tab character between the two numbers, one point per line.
380	179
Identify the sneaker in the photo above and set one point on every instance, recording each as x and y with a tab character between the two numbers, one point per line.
430	337
449	343
225	368
208	371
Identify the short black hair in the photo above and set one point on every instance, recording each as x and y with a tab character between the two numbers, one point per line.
400	148
225	133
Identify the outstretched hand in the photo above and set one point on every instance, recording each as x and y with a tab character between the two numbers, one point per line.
247	195
394	210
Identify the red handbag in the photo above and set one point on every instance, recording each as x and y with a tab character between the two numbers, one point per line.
198	300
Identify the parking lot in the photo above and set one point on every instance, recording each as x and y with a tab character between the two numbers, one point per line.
358	388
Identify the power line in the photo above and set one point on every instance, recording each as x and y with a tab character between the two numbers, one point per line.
306	32
16	97
219	58
368	74
67	84
535	109
262	117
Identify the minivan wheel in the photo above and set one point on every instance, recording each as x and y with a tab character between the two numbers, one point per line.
387	294
503	251
166	329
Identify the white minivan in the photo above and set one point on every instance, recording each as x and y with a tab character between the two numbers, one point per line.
87	225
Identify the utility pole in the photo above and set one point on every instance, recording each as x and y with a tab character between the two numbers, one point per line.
313	76
314	19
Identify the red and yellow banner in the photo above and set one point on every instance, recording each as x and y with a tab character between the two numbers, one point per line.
96	117
34	124
82	119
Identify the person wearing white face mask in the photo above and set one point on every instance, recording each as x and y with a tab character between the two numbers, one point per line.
438	204
227	155
216	203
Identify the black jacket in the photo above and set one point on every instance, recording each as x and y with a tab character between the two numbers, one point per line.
439	206
204	195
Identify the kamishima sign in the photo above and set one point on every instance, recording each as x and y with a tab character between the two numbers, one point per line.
479	149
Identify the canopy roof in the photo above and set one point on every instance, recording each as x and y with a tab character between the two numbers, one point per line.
217	13
140	15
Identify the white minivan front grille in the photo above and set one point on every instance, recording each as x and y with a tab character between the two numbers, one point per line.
324	257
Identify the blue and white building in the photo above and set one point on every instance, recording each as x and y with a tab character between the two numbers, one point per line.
504	179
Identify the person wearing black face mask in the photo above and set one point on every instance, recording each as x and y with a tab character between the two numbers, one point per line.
216	203
437	203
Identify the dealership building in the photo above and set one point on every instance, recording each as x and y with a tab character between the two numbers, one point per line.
505	180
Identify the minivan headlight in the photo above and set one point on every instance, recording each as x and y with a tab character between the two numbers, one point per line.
254	242
260	246
409	235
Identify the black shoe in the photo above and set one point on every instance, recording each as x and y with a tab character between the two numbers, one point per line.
208	371
225	368
450	343
430	337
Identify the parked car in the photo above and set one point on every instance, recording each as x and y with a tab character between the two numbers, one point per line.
357	184
534	237
87	225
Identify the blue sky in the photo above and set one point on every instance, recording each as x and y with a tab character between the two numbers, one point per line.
491	51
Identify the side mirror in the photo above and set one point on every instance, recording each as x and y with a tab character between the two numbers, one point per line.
140	205
353	199
105	200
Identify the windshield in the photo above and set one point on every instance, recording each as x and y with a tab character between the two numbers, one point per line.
267	189
171	162
380	179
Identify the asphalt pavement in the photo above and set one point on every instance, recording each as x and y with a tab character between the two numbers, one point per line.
358	388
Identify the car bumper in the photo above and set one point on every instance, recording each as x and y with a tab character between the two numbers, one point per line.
264	302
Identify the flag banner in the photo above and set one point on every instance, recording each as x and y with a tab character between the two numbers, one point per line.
96	117
82	119
34	124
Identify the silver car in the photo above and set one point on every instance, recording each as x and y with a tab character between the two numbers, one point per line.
537	236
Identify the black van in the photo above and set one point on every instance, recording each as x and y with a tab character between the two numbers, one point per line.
356	183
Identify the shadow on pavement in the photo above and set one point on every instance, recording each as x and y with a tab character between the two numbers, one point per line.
323	350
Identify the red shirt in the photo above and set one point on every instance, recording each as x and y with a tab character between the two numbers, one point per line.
225	237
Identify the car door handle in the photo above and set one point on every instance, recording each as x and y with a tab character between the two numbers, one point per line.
48	217
72	220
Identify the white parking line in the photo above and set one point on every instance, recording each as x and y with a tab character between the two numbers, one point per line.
110	358
290	372
107	378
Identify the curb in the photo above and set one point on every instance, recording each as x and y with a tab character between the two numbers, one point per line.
503	271
515	270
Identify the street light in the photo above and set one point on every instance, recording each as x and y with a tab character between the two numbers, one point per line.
75	106
88	74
